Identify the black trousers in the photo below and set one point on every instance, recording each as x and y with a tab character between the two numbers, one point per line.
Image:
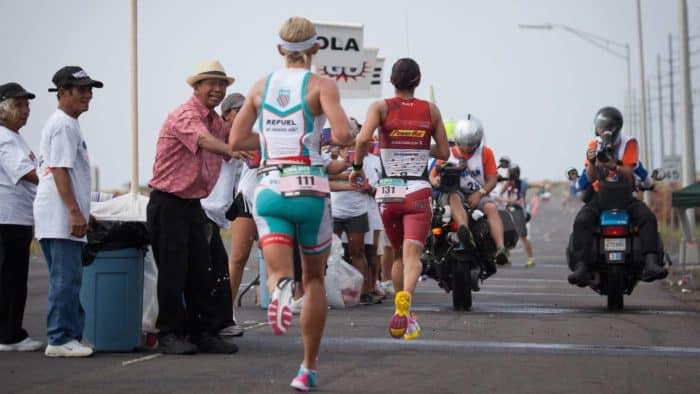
14	270
221	293
178	231
588	217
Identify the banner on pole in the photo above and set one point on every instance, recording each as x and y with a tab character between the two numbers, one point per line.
340	43
356	70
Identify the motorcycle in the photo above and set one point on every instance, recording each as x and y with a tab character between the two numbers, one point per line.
617	246
445	259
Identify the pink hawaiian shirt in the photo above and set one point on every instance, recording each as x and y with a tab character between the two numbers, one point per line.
181	167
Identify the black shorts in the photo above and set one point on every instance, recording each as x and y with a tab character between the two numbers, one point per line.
239	209
355	224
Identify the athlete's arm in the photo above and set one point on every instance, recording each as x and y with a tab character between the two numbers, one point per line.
241	136
372	121
442	146
329	98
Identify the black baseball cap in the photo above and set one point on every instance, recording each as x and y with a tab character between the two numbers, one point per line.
14	90
234	100
73	76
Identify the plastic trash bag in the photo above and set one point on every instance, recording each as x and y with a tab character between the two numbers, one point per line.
114	236
150	293
343	282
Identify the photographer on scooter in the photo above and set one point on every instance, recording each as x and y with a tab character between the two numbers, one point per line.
612	157
477	179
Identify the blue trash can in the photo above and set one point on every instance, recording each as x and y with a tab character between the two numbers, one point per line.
112	296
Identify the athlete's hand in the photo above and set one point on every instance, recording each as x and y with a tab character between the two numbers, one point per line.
357	179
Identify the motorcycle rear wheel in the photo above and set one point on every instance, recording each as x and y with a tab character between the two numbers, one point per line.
616	285
461	286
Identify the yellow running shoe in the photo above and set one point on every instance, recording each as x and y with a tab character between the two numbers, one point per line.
399	322
413	329
530	263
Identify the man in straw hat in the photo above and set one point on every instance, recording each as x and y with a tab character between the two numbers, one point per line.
187	165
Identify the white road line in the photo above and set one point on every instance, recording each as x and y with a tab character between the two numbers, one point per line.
381	344
494	278
513	293
141	359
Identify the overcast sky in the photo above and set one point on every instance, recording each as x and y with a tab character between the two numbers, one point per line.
536	91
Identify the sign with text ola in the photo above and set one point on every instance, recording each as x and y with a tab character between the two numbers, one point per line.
340	43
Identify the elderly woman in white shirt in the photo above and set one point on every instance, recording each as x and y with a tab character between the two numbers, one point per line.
18	182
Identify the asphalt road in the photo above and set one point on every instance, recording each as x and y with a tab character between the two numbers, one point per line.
529	332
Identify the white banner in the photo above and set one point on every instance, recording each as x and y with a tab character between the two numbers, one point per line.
340	43
362	80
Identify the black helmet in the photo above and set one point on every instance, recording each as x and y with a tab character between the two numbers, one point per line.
514	172
608	119
504	162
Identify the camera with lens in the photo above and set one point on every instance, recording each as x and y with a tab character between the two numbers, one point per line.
607	151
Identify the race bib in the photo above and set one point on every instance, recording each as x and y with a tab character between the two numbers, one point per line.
391	190
469	184
304	181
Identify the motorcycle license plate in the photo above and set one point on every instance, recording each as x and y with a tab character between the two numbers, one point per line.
616	258
615	244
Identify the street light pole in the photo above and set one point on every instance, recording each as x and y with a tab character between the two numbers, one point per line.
600	42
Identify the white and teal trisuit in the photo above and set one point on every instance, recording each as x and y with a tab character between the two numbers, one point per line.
291	197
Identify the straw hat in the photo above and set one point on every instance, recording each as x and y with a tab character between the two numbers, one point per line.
209	69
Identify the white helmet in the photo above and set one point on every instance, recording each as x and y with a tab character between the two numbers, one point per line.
469	133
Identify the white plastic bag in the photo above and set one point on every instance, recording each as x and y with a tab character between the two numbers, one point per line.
343	282
150	293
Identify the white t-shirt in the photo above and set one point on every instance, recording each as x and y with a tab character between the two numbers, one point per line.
61	145
373	171
221	197
347	204
17	195
247	183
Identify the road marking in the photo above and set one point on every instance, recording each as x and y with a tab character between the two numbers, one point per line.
383	344
527	280
491	308
513	293
141	359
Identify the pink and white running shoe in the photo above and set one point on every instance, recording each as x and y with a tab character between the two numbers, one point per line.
279	312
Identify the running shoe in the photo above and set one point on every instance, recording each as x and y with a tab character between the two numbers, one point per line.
370	299
279	312
297	305
530	263
413	329
501	257
399	321
388	287
305	379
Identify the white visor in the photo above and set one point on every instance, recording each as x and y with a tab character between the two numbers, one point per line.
298	46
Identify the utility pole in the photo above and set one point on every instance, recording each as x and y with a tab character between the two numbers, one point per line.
688	140
643	140
650	128
672	109
661	110
633	115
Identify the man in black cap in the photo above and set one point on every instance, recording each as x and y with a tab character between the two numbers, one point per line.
62	210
